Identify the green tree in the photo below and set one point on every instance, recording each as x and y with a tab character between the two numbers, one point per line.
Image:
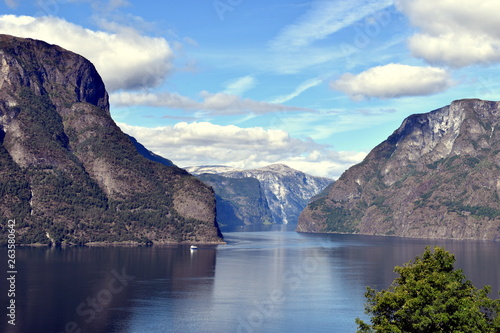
430	295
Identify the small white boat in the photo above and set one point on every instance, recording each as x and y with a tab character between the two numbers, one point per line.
193	247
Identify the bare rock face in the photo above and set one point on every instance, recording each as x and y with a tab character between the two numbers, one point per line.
272	194
437	176
287	190
69	174
240	201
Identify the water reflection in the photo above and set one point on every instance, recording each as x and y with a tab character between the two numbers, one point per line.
378	255
258	282
96	289
259	228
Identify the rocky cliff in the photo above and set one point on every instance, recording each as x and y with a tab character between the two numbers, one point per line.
285	190
69	175
437	176
240	201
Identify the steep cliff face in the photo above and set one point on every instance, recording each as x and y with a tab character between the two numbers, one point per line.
68	173
437	176
286	191
240	201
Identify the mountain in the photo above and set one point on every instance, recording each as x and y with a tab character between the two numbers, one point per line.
436	176
69	175
285	190
240	201
149	154
213	169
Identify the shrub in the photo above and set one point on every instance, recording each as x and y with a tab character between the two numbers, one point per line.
431	296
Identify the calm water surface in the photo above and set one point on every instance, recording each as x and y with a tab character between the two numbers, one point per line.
259	282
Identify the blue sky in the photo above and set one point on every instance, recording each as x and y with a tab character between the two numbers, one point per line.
312	84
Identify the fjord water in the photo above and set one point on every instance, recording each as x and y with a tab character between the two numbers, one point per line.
273	281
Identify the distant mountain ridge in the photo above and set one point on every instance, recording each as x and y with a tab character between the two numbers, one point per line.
149	154
436	176
283	190
214	169
69	175
239	201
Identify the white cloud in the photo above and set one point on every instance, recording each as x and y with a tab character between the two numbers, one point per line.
299	90
455	50
125	59
222	103
394	80
454	33
324	19
192	144
219	103
162	99
240	85
296	46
